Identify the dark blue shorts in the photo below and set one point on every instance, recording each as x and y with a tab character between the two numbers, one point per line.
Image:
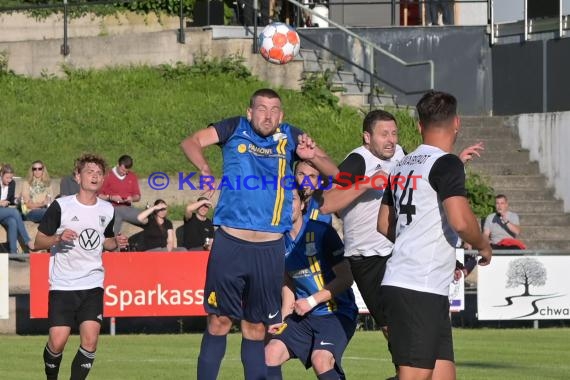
244	279
303	335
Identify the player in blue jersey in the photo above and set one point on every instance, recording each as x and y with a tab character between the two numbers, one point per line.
318	304
245	268
311	184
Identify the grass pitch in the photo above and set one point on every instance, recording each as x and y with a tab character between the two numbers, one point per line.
480	354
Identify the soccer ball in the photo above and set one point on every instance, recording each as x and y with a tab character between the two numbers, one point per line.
279	43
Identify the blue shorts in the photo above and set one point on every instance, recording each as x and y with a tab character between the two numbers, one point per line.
244	279
303	335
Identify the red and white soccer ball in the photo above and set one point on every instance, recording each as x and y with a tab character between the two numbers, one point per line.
279	43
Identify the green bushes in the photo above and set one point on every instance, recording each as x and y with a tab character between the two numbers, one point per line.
147	111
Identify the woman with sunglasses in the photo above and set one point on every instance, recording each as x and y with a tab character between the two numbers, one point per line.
10	218
158	233
36	192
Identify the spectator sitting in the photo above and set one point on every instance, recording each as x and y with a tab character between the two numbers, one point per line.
503	226
68	185
198	228
121	188
158	234
10	218
36	192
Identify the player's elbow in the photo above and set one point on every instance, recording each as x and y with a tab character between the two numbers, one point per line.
460	225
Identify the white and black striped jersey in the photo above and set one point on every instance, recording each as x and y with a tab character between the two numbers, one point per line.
77	264
423	258
359	218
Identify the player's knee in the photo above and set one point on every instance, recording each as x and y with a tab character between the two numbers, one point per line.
275	353
322	361
253	331
219	325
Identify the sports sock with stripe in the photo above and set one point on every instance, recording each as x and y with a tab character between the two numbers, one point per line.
82	364
51	363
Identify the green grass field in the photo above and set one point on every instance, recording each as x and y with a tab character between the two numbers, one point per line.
482	354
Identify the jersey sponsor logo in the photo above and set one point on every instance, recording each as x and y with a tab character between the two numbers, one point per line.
259	151
271	316
300	273
75	219
89	239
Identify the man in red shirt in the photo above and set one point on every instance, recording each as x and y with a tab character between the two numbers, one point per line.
121	188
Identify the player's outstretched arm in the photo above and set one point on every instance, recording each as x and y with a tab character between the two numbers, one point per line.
308	150
464	222
471	152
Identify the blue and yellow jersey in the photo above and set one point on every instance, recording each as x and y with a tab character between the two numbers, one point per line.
309	260
257	170
313	212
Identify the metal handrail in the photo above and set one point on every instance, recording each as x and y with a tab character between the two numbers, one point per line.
527	26
372	47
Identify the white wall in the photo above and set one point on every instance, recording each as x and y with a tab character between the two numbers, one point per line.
547	137
470	13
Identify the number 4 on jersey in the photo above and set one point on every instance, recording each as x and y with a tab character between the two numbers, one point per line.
408	208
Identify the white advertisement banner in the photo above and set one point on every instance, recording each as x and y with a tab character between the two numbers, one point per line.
524	288
4	296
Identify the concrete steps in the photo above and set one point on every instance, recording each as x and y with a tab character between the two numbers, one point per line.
544	220
506	168
534	182
351	90
509	170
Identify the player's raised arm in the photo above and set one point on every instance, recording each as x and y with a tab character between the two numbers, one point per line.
308	150
193	147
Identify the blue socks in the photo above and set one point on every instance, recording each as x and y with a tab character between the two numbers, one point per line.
329	375
274	373
253	359
212	352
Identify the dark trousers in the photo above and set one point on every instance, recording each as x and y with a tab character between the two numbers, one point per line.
446	7
247	12
368	273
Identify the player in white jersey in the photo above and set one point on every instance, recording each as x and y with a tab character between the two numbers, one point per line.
366	249
423	209
76	229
